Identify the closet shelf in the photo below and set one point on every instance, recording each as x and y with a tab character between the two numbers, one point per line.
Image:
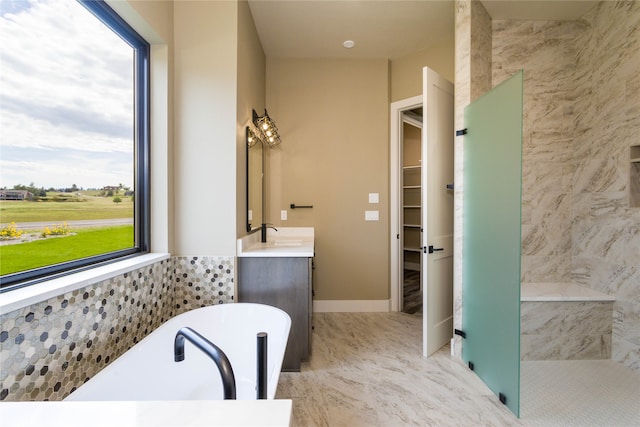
411	187
411	207
408	249
412	225
411	168
636	160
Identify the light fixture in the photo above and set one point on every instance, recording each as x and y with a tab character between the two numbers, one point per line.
348	44
252	139
267	128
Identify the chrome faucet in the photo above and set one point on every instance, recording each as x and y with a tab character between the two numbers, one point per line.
214	352
263	232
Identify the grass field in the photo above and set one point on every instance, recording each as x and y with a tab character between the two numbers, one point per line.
87	242
90	208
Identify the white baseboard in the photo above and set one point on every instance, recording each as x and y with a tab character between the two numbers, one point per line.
351	306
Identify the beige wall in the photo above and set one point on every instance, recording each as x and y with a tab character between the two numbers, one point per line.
406	71
333	116
251	95
335	150
154	22
205	152
218	76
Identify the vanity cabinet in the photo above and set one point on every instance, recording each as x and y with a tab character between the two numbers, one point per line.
286	283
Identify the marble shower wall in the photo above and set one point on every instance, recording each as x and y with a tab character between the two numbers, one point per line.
472	79
545	50
581	114
565	330
605	229
49	349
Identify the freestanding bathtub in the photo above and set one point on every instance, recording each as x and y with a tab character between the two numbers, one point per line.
148	371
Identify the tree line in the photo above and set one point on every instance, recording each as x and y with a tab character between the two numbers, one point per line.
42	192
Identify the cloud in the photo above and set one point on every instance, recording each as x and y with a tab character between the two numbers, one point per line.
13	6
66	87
72	167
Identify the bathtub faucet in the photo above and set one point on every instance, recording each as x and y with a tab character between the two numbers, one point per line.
214	352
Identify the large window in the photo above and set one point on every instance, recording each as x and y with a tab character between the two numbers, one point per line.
74	135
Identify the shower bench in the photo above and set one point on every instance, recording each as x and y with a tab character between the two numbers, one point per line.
564	321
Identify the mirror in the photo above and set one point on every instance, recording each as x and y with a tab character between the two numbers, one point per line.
255	163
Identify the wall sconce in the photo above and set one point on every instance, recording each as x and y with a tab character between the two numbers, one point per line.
267	128
252	139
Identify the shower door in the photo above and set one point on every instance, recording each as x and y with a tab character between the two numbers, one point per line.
492	240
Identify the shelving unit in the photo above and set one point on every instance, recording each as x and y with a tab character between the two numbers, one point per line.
634	176
411	216
411	197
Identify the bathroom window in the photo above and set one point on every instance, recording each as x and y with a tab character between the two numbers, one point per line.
74	120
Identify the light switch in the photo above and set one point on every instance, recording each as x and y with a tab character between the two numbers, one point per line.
250	215
374	198
283	215
371	215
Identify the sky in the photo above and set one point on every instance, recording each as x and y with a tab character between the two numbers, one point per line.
66	98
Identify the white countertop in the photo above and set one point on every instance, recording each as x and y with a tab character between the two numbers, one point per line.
214	413
560	292
283	242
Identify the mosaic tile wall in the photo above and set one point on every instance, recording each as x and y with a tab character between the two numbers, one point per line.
202	281
49	349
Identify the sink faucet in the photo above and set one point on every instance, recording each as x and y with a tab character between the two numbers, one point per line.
263	232
214	352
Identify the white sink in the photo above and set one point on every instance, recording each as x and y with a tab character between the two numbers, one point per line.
285	242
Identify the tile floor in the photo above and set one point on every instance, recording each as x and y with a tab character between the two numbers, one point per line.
577	393
367	370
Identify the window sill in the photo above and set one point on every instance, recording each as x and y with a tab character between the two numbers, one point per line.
23	297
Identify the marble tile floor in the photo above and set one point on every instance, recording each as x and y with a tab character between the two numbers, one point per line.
367	370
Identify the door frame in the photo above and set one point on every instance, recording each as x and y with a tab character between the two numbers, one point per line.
395	150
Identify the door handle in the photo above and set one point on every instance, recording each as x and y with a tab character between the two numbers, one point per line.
432	249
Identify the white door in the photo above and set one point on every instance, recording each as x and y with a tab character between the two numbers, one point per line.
437	211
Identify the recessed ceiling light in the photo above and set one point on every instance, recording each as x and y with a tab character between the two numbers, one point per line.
348	44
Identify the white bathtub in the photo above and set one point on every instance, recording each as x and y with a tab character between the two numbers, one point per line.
148	371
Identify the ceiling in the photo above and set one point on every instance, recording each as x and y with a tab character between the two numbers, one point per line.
380	28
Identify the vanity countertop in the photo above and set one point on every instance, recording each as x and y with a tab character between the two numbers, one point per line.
138	414
283	242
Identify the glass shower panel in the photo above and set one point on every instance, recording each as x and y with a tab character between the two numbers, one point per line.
491	241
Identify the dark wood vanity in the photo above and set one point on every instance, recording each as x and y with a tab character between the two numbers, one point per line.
286	283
